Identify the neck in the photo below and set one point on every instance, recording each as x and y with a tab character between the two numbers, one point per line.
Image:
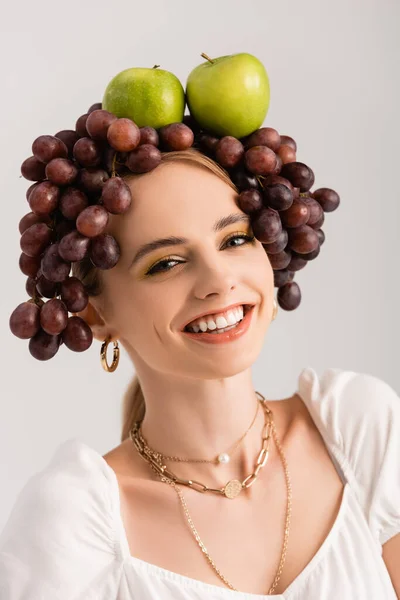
200	419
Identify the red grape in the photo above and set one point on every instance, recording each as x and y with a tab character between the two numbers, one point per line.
273	179
298	214
72	202
43	200
279	244
266	225
33	169
116	195
80	125
315	209
95	106
149	135
30	287
265	136
92	179
92	221
74	295
321	236
287	154
280	260
282	276
260	160
299	175
286	140
311	255
297	263
87	152
229	151
53	267
69	137
30	188
289	296
61	171
29	265
104	251
244	180
278	166
46	288
98	122
250	201
25	320
208	143
328	199
47	147
77	335
44	346
143	159
73	246
176	136
277	196
35	239
30	219
53	316
303	239
123	135
318	224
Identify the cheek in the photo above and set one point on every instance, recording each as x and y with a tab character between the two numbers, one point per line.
262	271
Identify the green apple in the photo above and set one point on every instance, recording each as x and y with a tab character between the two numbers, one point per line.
229	95
151	97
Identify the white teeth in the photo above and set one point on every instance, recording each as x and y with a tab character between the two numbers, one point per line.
211	324
203	326
232	317
221	322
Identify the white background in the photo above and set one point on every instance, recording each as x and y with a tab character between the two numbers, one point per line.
334	74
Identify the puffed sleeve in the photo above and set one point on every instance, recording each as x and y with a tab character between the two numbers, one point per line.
361	415
58	542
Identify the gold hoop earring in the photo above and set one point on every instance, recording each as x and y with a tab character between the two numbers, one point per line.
103	355
275	311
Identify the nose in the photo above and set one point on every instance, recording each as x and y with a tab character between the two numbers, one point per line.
215	277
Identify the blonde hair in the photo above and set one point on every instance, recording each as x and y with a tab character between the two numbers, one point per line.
133	402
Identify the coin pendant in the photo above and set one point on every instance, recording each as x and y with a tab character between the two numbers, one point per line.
233	488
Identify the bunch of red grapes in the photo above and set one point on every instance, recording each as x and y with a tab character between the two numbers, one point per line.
77	185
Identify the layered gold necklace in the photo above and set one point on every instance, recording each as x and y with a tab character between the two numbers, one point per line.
231	489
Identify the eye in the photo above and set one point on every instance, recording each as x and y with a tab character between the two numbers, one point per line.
157	268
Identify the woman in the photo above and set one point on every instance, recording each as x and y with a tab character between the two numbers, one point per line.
326	499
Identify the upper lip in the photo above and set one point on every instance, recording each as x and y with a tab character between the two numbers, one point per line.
215	311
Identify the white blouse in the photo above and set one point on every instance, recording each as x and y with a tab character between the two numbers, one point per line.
65	540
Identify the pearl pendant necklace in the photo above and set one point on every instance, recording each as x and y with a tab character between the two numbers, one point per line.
223	458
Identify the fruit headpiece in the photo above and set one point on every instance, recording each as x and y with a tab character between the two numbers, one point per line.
77	183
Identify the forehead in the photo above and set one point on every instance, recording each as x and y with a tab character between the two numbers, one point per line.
173	199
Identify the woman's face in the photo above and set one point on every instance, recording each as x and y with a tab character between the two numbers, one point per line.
147	299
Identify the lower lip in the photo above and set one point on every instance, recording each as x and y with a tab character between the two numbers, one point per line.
227	336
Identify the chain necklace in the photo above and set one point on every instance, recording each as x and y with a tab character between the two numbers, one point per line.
222	458
233	487
173	482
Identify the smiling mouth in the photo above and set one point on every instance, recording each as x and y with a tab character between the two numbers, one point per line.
246	308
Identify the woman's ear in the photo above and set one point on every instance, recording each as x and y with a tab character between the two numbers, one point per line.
91	315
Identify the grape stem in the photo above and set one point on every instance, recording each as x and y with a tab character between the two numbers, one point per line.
113	172
207	57
259	177
156	66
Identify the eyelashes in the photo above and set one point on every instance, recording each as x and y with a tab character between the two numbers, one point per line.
248	239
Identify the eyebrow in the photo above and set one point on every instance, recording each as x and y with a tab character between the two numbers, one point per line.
176	241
